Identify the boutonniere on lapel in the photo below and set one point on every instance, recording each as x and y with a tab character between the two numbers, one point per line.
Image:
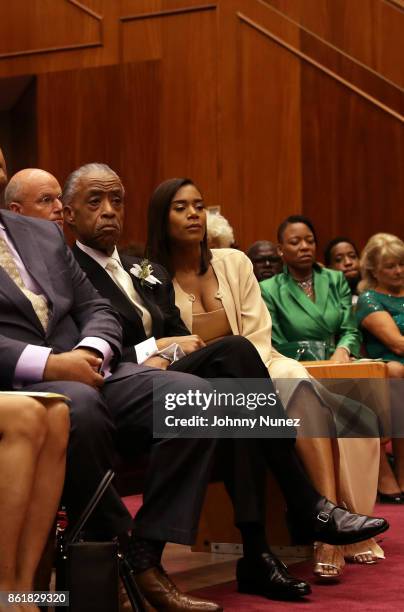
144	272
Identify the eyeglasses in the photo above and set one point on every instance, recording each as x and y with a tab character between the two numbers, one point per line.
46	200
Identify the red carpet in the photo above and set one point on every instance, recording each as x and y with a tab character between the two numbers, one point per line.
372	588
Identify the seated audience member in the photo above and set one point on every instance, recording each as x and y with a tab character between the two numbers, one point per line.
218	296
3	177
220	232
74	348
309	303
33	440
93	199
35	193
380	313
342	254
265	259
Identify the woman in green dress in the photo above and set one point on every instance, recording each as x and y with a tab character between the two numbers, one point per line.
380	313
310	306
312	319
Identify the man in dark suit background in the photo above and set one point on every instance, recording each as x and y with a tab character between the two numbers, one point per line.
56	333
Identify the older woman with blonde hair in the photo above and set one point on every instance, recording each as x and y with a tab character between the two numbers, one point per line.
380	313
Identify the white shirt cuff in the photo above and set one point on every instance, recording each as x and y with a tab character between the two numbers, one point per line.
146	349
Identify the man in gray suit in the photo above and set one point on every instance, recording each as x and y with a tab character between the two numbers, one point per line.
57	334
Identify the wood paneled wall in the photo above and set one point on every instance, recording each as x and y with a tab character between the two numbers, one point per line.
273	107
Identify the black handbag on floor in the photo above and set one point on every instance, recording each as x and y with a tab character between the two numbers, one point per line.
90	570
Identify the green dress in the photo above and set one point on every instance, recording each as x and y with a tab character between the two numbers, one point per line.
295	317
373	301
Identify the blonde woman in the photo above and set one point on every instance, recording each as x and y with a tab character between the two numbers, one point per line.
380	313
33	439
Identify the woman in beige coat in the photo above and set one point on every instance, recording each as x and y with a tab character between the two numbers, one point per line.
217	294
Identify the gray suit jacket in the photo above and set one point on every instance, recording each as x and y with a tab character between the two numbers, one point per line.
78	310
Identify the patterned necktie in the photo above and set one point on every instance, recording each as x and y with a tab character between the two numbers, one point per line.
39	302
124	282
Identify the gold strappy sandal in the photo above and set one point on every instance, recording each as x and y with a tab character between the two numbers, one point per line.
328	562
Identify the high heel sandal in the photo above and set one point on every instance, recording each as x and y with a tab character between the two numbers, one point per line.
328	558
355	553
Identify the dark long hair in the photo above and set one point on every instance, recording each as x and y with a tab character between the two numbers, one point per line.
158	246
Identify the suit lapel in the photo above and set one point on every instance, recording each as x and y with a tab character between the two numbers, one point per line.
106	286
148	298
226	297
30	253
12	293
313	309
321	289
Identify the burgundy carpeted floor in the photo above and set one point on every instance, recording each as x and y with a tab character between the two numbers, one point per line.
372	588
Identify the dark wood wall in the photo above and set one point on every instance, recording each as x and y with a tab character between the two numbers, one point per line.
273	107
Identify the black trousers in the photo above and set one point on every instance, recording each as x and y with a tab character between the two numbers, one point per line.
243	463
121	415
178	471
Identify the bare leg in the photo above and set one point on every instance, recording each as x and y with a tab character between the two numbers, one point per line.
23	426
45	494
398	452
387	480
23	430
318	458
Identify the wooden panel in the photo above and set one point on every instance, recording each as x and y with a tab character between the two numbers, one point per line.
27	35
67	34
138	7
116	118
186	44
353	161
329	369
269	131
371	31
217	518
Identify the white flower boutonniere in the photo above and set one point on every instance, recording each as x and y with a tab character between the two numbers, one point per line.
144	272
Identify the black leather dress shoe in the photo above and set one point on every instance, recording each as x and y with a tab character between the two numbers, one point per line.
268	576
335	525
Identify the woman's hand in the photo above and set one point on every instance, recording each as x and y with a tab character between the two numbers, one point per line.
157	362
189	344
340	356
